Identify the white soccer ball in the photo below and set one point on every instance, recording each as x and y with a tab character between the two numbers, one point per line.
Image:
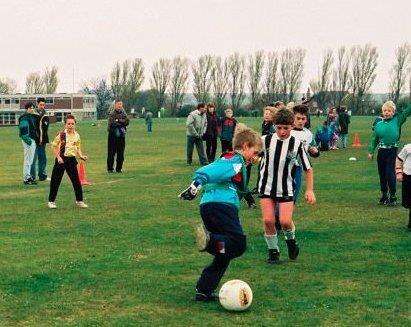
353	159
235	295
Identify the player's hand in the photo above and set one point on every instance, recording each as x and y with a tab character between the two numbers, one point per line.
60	160
370	156
399	176
310	197
190	193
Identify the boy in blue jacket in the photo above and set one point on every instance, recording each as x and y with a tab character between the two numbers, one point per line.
221	233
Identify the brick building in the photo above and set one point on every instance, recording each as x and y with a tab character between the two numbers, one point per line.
82	106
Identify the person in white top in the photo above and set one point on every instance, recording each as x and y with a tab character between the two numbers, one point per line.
403	173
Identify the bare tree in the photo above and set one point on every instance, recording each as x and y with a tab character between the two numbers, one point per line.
364	65
322	84
341	82
202	78
160	80
50	79
400	71
35	84
135	78
255	72
236	75
115	80
103	93
178	82
219	81
7	86
271	83
291	68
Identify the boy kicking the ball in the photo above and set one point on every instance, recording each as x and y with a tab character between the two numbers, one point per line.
221	233
282	153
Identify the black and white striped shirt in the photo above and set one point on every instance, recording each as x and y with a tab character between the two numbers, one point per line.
275	178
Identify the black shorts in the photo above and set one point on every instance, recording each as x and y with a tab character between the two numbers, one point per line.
278	199
406	191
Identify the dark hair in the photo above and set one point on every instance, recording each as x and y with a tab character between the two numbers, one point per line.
301	109
118	100
70	116
210	105
278	103
41	100
28	105
201	105
284	117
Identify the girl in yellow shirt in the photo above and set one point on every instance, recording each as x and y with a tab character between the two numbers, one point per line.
66	147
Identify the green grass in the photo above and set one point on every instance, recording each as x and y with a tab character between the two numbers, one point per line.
129	259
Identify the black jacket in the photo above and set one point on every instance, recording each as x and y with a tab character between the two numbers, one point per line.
43	128
117	123
212	126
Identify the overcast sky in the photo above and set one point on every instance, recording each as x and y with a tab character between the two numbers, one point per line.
91	35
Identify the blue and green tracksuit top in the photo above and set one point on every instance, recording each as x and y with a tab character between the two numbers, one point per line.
387	132
27	128
223	180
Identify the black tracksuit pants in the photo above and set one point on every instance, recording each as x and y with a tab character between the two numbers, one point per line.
70	166
386	170
116	146
227	241
211	147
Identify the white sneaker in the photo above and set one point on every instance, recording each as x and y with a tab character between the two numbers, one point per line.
52	205
81	204
202	237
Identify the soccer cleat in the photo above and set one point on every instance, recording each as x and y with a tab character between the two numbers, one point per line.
119	171
273	256
383	200
203	297
30	181
392	201
52	205
81	204
293	249
110	171
202	237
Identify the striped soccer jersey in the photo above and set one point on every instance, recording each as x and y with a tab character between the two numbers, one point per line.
275	178
304	135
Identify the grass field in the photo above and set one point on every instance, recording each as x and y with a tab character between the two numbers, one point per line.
130	258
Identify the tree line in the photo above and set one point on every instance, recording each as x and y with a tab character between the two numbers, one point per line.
244	82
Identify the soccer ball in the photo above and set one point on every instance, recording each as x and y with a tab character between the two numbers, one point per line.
235	295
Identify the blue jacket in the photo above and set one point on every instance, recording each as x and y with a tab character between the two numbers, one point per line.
221	180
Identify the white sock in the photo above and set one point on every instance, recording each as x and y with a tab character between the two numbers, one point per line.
272	241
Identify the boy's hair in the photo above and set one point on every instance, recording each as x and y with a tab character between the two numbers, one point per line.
70	116
201	105
210	105
271	109
229	108
28	105
245	135
284	117
301	109
389	104
278	104
41	100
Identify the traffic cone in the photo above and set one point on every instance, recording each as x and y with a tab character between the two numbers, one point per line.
81	168
357	142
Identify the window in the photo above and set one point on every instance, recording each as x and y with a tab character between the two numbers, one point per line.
15	101
7	101
49	101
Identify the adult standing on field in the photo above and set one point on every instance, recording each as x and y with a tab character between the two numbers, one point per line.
343	122
211	133
117	127
42	131
196	127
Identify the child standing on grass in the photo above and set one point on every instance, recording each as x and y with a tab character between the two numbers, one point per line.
385	137
221	233
267	126
66	147
282	151
211	133
227	127
403	173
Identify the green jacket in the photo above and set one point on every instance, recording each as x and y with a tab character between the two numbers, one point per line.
387	132
28	131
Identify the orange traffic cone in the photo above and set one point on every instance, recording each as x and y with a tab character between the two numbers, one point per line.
82	174
357	142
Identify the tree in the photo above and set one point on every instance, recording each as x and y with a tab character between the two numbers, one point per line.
160	79
50	80
236	75
364	65
7	86
291	69
271	83
35	84
178	82
103	93
400	71
322	84
202	78
341	82
219	81
255	72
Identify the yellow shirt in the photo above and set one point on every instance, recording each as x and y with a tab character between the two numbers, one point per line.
72	144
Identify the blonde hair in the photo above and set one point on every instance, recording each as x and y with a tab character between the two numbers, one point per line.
245	135
290	105
389	104
272	110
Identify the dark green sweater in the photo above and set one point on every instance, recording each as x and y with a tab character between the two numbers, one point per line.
28	128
